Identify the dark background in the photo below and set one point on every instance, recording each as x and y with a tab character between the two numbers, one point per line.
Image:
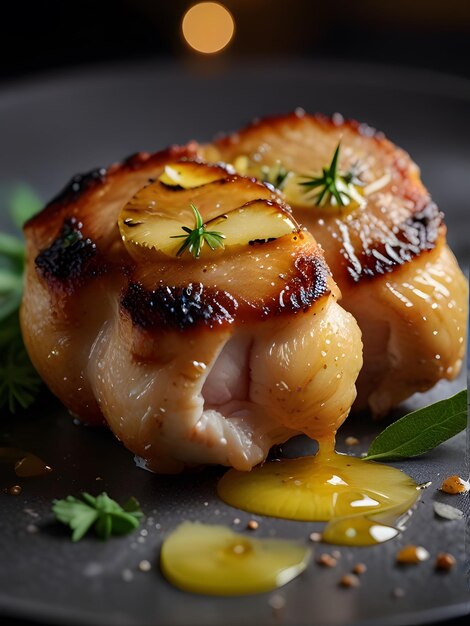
51	34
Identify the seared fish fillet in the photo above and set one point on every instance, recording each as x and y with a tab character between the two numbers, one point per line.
387	250
188	360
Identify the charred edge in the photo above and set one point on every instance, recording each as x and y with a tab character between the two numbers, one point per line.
79	184
424	225
308	286
417	234
178	307
254	242
82	183
69	254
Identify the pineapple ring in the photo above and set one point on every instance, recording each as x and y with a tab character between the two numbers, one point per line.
237	210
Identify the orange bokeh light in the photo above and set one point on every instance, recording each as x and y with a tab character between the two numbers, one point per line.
208	27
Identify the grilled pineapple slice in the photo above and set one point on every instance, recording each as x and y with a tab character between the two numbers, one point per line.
214	560
204	205
190	174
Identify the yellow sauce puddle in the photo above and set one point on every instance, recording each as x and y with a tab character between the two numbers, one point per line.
362	501
214	560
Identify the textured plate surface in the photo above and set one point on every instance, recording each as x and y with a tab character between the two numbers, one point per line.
55	127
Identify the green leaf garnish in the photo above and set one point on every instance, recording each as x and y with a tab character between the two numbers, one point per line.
332	187
19	382
422	430
104	514
196	237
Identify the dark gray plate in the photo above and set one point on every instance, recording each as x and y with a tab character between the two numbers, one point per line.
54	127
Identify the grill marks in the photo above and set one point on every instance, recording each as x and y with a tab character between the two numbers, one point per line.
178	307
417	234
196	305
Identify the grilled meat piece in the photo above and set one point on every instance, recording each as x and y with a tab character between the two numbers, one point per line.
188	360
386	246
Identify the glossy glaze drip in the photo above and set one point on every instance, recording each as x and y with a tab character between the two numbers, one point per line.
362	501
207	559
25	464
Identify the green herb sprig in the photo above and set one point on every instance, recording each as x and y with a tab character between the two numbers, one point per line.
196	237
19	382
422	430
104	514
332	187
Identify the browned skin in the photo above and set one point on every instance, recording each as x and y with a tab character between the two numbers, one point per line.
79	270
378	241
66	286
389	257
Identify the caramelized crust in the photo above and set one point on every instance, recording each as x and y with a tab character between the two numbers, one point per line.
212	299
83	286
75	240
398	222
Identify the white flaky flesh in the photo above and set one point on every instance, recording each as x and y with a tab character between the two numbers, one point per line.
227	396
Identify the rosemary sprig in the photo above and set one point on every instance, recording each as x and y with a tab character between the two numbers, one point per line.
332	187
196	237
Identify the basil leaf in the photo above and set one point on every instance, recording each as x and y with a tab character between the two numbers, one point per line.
421	430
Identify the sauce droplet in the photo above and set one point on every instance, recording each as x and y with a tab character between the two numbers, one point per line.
25	463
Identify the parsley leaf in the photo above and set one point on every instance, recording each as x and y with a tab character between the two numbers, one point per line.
104	514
